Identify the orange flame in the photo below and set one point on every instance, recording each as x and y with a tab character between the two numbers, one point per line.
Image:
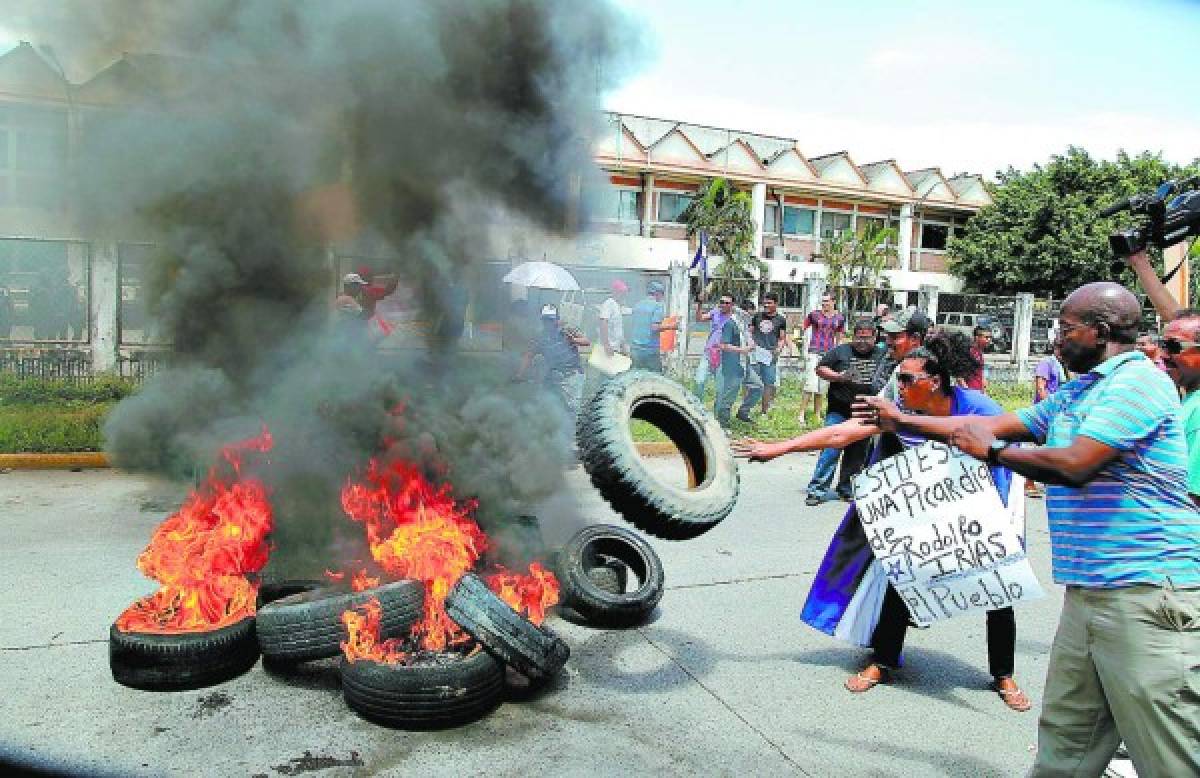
530	595
417	531
202	554
362	630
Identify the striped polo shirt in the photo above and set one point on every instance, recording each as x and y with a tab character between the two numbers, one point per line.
1134	522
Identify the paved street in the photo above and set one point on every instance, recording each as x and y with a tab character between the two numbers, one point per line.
724	681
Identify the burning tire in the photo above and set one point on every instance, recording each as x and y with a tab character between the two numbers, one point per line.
183	660
270	591
442	690
308	625
533	651
607	450
585	553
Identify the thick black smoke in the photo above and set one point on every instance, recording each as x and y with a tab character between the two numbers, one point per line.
271	134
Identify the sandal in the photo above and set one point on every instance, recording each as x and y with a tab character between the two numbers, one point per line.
1013	697
859	683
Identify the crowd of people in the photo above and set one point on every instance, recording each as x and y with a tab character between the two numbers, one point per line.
1119	455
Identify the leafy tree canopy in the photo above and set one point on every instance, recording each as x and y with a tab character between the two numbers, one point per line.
1041	233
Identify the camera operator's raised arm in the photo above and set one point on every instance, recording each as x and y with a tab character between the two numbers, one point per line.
1166	305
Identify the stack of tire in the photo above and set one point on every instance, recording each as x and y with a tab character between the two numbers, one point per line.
454	689
301	622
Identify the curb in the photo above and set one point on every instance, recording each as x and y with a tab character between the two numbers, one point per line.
74	461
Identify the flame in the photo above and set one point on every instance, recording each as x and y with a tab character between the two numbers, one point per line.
417	531
362	630
202	554
530	595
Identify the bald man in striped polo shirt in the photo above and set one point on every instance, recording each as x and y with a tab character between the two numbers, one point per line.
1125	539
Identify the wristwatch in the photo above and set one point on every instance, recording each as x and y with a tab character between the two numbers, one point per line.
994	449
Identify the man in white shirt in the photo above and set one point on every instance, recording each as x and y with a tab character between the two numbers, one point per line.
612	322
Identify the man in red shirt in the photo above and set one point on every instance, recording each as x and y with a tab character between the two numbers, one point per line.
983	342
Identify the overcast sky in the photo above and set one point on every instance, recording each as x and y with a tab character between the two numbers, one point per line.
967	86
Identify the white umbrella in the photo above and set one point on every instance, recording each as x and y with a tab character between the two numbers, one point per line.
542	275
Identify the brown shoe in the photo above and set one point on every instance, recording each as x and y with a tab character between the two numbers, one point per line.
1012	695
867	679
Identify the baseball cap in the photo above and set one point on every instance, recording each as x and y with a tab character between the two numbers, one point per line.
655	287
549	312
907	321
619	286
353	278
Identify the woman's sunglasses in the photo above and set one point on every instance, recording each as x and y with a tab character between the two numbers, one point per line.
908	379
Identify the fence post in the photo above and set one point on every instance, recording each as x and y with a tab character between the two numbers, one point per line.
103	299
1022	332
678	306
927	301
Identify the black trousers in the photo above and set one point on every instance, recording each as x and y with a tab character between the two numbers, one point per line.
888	639
854	457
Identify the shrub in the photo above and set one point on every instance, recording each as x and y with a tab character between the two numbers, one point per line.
37	391
41	429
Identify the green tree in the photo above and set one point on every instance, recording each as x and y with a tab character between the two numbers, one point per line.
1041	233
856	263
726	216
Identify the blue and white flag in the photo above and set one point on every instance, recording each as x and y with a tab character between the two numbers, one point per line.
701	258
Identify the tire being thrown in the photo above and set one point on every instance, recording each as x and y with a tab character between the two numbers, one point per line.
533	651
578	561
608	453
444	692
308	625
182	660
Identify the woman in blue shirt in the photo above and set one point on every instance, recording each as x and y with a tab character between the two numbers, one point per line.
927	382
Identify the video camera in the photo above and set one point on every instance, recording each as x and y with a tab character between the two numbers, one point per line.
1174	215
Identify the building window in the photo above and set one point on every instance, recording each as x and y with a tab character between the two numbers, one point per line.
934	236
671	205
771	218
33	156
834	224
798	221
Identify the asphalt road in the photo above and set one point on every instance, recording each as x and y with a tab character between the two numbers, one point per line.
724	681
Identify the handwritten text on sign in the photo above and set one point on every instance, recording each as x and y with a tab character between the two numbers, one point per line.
936	523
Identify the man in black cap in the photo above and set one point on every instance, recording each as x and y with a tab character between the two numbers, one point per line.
903	333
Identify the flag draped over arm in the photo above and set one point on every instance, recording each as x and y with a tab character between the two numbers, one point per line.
701	258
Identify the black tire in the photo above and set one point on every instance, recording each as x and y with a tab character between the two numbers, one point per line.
270	591
607	450
610	575
308	625
186	660
424	696
593	603
533	651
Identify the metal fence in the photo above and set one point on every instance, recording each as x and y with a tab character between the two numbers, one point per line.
71	365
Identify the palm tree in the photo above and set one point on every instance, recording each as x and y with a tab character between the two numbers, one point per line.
726	217
856	263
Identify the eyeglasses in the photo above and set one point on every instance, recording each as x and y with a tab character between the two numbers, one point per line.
908	379
726	302
1176	347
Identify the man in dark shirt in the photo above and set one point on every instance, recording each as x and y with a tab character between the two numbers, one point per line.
558	346
851	369
735	345
769	330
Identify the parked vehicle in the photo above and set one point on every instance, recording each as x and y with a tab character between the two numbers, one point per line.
967	322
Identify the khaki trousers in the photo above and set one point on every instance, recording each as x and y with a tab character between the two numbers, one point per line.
1125	666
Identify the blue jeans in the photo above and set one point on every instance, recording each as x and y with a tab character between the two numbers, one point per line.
827	463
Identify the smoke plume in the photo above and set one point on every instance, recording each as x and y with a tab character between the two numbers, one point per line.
267	137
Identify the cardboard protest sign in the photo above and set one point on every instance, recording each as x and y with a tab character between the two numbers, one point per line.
946	542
